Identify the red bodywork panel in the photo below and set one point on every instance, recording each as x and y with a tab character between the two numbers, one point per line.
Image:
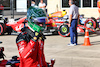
53	22
3	63
18	25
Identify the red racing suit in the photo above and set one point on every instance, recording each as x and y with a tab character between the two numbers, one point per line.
31	50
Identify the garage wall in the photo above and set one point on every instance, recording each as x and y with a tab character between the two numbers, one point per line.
90	12
53	5
87	12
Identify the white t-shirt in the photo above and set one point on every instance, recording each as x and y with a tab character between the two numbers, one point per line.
32	4
41	5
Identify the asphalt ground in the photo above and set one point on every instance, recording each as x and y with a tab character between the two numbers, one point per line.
56	47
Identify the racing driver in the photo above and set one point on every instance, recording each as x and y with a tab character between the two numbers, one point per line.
30	41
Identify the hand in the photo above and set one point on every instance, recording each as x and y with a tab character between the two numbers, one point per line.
42	36
69	25
36	36
25	29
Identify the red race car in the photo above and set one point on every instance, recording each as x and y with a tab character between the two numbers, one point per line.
54	25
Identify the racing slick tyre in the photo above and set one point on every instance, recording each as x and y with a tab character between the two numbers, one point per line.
9	30
63	30
97	24
98	21
90	23
2	28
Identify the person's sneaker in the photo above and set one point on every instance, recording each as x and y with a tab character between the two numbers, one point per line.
75	43
71	44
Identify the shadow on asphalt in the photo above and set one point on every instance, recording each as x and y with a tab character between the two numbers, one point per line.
95	43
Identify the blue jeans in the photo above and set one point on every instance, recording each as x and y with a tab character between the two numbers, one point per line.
73	31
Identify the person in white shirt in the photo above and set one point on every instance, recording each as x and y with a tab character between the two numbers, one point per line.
42	5
73	21
32	2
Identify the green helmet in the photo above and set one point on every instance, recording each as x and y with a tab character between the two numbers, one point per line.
36	18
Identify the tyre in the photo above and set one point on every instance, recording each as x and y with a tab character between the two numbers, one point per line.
2	30
9	30
90	23
97	25
63	30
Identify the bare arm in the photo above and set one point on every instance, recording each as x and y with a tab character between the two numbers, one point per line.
78	18
70	19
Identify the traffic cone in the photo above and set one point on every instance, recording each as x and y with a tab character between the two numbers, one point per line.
86	39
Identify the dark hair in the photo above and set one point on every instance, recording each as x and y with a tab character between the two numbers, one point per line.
73	1
33	0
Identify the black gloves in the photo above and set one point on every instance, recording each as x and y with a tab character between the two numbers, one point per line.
34	35
25	29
